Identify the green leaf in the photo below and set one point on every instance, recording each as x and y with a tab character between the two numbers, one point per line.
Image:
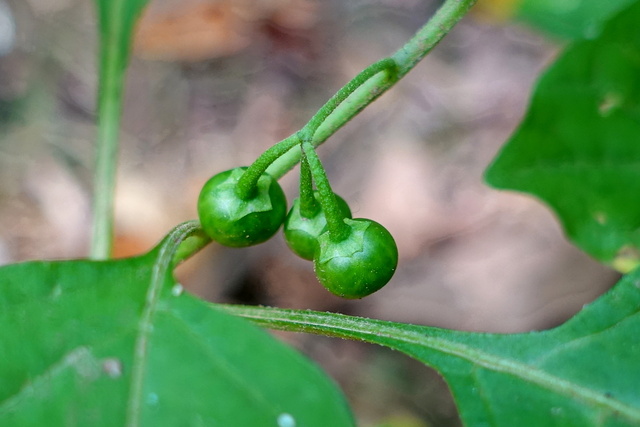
578	146
118	343
571	19
583	373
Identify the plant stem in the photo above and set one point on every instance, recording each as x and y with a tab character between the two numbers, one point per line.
342	107
309	206
116	20
338	230
106	156
388	65
430	34
192	240
373	81
247	183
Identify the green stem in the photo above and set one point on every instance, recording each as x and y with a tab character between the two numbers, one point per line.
248	182
192	241
359	92
366	90
338	230
309	206
388	65
106	155
430	34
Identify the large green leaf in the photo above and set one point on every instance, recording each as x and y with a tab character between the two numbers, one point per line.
117	343
578	148
583	373
572	19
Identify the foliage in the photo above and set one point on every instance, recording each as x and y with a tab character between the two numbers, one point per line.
120	343
548	378
574	19
577	147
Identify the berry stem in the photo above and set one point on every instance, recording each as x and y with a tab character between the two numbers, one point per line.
247	185
309	206
373	81
387	65
338	230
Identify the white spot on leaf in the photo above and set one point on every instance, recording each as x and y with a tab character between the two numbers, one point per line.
286	420
112	367
177	290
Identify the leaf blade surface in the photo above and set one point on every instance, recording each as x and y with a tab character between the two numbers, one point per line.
72	353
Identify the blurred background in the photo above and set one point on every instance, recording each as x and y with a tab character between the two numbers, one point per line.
213	83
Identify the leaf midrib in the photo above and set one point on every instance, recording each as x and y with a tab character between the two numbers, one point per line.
376	333
145	326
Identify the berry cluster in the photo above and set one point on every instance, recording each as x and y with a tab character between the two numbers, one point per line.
352	258
245	206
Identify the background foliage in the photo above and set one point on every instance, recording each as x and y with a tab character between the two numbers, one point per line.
576	148
490	363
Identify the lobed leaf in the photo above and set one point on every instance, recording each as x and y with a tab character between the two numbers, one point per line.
578	147
583	373
117	343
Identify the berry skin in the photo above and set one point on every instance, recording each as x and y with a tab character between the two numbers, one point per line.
233	221
360	264
301	234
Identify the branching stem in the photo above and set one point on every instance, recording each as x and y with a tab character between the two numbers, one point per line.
387	65
309	206
338	230
248	182
373	81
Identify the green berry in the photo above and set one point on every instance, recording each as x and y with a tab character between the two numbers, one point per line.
360	264
301	233
233	221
